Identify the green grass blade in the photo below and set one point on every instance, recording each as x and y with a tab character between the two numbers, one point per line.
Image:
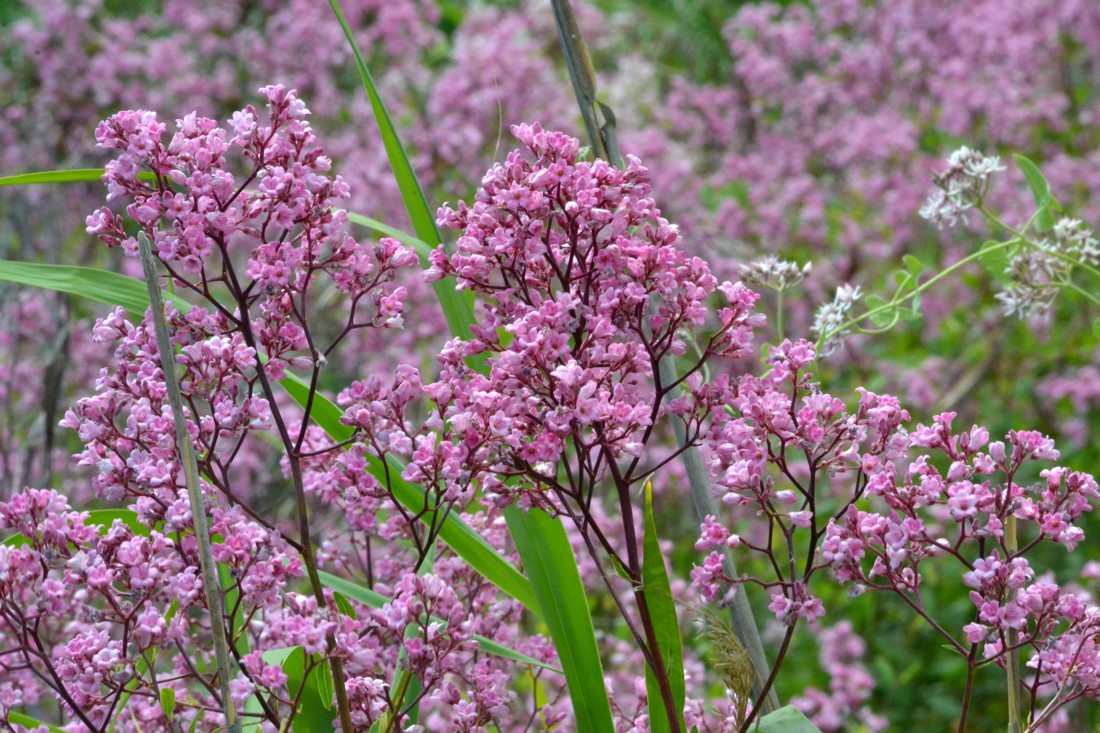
662	610
31	723
422	248
70	176
552	569
541	539
458	306
460	315
101	286
457	534
412	194
75	175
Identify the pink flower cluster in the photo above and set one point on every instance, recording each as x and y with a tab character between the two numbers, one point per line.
96	618
589	291
808	466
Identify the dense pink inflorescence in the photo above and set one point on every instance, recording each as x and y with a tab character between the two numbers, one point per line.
806	464
589	290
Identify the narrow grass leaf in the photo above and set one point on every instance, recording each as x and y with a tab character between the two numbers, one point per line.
76	175
423	249
662	609
542	536
457	534
420	214
114	289
101	286
552	569
29	722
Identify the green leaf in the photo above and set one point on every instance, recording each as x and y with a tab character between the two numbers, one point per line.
29	722
232	594
324	411
552	569
101	286
912	264
662	609
1040	191
77	175
343	605
168	702
423	249
994	257
326	688
457	306
1096	328
313	709
882	318
786	719
141	666
366	596
102	518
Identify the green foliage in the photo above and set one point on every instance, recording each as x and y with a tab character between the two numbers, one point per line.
307	685
662	609
552	568
786	720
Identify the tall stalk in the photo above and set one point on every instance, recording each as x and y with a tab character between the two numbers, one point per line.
211	585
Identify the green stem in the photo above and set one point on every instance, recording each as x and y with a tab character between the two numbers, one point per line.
779	315
215	603
1082	292
1095	272
893	304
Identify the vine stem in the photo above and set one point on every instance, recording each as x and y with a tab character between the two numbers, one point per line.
893	304
215	601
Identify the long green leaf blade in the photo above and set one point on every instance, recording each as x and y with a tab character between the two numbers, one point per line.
65	176
552	568
423	220
32	723
662	609
75	175
575	638
102	286
423	249
457	534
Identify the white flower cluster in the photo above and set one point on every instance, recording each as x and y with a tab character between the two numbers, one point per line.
1040	271
963	184
774	273
831	317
